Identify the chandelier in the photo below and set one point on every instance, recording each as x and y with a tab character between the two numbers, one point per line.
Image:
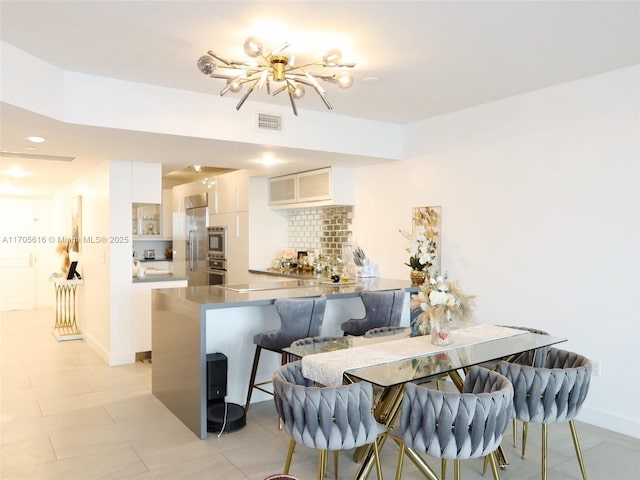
278	72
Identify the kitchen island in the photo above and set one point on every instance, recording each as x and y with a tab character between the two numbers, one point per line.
189	323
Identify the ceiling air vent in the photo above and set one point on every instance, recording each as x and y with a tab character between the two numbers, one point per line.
269	122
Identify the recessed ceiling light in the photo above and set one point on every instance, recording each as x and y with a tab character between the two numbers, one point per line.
370	80
267	160
15	172
35	139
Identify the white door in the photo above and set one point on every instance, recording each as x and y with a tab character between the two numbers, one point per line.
17	254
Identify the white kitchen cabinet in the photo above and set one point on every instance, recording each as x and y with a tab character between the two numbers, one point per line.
237	244
230	193
282	190
166	227
141	311
146	221
146	182
322	187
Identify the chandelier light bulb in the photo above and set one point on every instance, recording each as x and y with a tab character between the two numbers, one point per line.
344	79
235	85
206	64
298	92
253	47
332	58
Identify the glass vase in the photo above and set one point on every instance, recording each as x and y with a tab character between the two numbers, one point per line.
441	331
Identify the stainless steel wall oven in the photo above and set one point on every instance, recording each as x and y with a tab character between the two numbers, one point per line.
217	255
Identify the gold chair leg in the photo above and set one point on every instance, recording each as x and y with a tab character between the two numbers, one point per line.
400	460
456	469
515	432
335	464
443	468
576	444
376	454
322	461
485	461
544	451
287	462
494	465
525	427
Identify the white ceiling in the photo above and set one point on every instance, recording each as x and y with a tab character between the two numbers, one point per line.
429	57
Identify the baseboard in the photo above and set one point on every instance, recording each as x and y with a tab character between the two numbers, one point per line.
96	347
111	359
615	423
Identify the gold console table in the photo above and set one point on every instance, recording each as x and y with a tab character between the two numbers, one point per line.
66	327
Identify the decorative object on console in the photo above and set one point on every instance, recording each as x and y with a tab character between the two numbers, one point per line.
424	250
444	305
276	70
62	249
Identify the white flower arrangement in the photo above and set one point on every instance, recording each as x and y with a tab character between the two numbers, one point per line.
444	305
424	239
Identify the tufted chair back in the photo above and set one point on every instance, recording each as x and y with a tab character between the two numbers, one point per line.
299	318
379	331
553	393
535	358
324	418
382	309
458	425
550	394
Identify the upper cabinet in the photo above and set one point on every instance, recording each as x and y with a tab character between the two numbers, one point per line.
230	193
146	220
323	187
153	221
146	182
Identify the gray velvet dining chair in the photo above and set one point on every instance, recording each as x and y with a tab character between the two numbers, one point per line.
550	394
454	425
310	341
328	419
382	309
299	318
532	358
379	331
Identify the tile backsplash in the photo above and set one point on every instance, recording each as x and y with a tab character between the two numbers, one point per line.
323	229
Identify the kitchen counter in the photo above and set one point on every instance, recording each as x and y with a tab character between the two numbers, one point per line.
166	277
289	273
190	322
211	297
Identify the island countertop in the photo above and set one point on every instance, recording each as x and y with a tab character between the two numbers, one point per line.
262	290
189	323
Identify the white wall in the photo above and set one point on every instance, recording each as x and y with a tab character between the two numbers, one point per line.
105	313
541	219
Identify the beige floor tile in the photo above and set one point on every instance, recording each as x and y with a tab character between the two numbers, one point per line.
66	415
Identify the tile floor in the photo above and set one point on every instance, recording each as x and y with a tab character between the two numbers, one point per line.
66	415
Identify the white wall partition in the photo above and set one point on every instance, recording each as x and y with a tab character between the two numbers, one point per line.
541	218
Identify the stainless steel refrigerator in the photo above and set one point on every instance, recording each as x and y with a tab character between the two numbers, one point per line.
197	219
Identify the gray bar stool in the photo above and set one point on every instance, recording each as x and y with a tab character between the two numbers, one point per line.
299	318
382	309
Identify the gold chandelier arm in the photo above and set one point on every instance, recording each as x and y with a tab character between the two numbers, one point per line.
291	99
220	59
293	103
281	89
246	95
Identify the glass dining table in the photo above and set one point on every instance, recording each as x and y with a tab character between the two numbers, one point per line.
420	362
